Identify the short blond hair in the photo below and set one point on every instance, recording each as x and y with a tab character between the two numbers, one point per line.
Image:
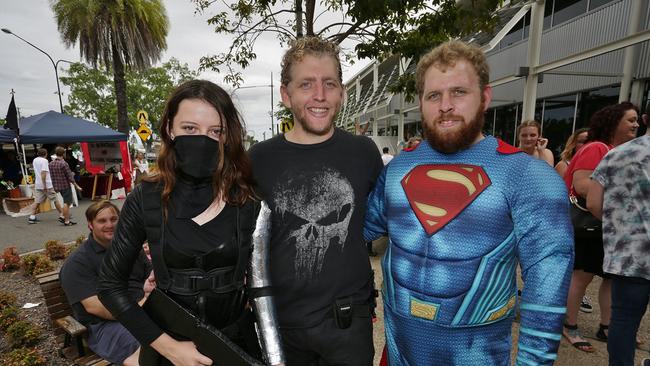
446	55
312	46
530	123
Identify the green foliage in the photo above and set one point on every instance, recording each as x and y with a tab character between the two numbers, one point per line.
92	92
283	113
11	259
7	299
55	250
8	316
376	28
35	264
24	333
23	357
119	34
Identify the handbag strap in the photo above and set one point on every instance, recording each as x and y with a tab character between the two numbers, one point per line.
578	201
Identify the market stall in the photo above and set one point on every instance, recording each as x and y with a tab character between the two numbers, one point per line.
105	150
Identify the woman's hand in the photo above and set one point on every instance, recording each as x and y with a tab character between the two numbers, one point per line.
180	353
541	143
149	284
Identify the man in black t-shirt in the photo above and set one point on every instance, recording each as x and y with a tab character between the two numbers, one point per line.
79	279
316	178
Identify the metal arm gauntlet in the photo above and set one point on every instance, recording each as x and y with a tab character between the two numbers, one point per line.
260	289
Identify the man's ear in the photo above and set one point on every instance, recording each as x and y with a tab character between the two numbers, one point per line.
487	97
286	99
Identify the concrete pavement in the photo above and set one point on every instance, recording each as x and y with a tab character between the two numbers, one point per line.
15	231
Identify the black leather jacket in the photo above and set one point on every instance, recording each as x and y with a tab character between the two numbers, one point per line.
131	232
129	235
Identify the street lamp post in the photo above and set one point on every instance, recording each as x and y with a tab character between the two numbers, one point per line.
55	64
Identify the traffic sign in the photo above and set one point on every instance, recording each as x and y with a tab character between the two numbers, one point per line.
286	126
144	132
143	116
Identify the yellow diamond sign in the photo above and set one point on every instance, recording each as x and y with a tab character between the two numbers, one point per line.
144	132
143	116
286	126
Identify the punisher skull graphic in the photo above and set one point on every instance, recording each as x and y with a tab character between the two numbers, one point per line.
322	205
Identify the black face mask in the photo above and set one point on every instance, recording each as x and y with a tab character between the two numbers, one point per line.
196	155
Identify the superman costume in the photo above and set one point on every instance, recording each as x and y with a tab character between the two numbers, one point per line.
458	224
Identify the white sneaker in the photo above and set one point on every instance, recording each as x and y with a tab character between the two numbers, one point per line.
585	306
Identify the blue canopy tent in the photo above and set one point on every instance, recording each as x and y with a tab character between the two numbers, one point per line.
57	128
7	136
54	127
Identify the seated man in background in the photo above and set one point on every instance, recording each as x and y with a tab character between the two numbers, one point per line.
79	278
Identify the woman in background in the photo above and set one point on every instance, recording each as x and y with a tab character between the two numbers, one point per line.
529	135
608	128
573	144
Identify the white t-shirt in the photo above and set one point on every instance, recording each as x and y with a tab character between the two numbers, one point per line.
41	164
386	158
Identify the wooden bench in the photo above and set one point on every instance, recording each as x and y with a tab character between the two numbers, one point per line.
66	328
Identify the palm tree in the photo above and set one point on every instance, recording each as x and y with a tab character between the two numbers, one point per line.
115	33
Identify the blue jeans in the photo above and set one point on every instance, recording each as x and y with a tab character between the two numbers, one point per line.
629	303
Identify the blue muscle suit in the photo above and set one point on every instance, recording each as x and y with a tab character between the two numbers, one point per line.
458	224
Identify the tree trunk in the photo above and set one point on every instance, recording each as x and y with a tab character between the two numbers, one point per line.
298	8
309	17
120	92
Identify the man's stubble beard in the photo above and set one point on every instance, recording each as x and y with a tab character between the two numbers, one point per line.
300	119
452	142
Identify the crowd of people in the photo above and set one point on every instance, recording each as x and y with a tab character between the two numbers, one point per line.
265	250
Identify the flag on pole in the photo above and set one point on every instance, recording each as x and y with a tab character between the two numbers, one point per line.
12	116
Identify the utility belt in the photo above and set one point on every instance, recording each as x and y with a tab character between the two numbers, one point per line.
194	281
343	310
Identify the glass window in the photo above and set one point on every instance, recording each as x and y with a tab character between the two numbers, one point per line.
594	100
593	4
488	126
558	121
504	123
568	9
526	24
515	35
548	13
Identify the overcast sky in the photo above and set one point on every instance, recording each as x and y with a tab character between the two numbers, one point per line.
31	74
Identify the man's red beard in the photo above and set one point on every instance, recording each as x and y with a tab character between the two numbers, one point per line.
453	141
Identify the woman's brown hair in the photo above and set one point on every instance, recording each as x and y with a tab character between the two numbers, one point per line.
232	178
604	122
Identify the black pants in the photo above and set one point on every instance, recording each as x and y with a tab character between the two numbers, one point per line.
327	345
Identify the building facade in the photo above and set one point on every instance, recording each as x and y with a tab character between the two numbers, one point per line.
565	58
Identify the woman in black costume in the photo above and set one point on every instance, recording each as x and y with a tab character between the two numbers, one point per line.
198	214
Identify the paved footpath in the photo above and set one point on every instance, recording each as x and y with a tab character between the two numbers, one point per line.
16	231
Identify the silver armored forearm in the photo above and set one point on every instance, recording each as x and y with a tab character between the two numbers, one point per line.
260	284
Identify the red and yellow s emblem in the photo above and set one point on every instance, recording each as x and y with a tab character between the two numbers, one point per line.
438	193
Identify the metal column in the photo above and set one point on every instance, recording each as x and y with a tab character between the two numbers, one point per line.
630	56
534	47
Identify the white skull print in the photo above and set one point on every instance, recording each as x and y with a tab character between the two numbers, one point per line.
322	204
